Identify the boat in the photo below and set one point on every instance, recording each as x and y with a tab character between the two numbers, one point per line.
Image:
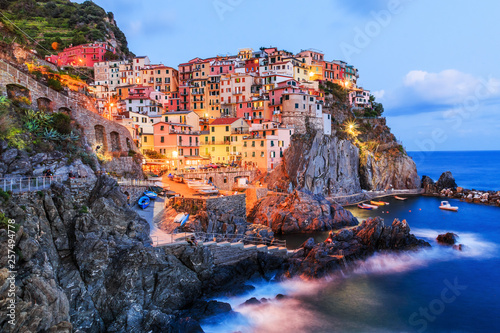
150	194
363	206
211	190
171	194
371	206
184	220
170	176
143	202
446	206
181	218
379	203
178	179
400	198
198	185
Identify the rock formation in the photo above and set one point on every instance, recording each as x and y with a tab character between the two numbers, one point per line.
329	165
300	212
87	265
316	260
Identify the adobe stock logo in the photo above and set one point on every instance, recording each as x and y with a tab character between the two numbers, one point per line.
223	6
437	306
364	36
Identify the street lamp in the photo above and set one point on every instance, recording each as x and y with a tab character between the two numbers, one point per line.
174	155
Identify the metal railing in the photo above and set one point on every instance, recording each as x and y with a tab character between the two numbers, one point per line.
136	182
233	238
27	184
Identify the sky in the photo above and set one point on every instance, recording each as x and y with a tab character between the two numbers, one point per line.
433	64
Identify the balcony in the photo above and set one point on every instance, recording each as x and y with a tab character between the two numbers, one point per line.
210	143
238	131
171	131
237	92
187	144
258	107
198	92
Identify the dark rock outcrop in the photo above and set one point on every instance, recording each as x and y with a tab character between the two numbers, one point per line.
446	180
316	260
448	238
300	212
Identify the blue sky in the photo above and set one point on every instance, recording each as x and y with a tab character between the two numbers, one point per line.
433	64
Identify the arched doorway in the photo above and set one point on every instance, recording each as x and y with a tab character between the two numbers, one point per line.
115	141
100	139
44	104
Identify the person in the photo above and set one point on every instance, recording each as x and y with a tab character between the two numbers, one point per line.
192	240
128	199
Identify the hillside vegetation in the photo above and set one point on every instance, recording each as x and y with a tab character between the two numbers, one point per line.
56	24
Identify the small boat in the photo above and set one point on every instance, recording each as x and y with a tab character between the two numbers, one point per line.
171	194
178	179
181	218
363	206
170	176
371	206
379	203
150	194
446	206
211	190
143	202
400	198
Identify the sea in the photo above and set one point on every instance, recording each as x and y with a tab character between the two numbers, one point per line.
432	290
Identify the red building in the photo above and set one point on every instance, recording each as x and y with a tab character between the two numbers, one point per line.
82	55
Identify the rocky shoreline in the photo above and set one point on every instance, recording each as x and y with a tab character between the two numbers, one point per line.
446	187
86	264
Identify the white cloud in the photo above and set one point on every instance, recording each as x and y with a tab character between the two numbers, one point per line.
379	94
449	86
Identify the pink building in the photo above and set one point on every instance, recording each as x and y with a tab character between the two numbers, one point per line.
180	138
82	55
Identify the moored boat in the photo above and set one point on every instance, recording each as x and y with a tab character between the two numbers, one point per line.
379	203
371	206
211	190
445	205
363	206
143	202
399	198
150	194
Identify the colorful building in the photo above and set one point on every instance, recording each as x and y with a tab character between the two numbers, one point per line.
85	55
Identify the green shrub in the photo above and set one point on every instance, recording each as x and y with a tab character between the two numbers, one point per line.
84	210
4	195
55	84
61	122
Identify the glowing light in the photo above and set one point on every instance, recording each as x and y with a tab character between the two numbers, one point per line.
351	128
175	154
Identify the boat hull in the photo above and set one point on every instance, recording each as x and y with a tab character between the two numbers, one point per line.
143	202
451	208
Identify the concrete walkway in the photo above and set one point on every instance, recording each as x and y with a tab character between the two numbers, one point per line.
151	214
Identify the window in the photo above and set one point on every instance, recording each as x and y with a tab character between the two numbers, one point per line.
162	139
145	139
262	154
296	105
162	127
227	128
227	149
244	144
213	129
253	154
262	143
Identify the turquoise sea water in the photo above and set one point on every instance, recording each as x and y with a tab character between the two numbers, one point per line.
433	290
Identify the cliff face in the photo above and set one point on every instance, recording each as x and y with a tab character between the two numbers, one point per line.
332	166
85	264
379	174
320	164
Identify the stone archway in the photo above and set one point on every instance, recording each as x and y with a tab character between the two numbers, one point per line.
65	110
19	93
100	138
115	141
44	104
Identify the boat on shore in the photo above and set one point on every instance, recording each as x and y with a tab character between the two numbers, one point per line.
363	206
211	190
399	198
371	206
378	203
445	205
181	218
143	202
151	195
178	179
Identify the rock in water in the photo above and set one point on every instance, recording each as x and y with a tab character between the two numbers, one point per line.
448	238
300	212
446	181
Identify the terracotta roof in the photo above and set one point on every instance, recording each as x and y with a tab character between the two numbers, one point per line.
224	121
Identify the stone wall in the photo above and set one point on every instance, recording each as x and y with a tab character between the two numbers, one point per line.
135	192
232	205
224	179
125	167
80	107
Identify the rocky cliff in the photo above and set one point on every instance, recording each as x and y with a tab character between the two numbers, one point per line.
87	265
329	165
300	212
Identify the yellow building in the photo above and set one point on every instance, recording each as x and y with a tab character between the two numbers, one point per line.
223	142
